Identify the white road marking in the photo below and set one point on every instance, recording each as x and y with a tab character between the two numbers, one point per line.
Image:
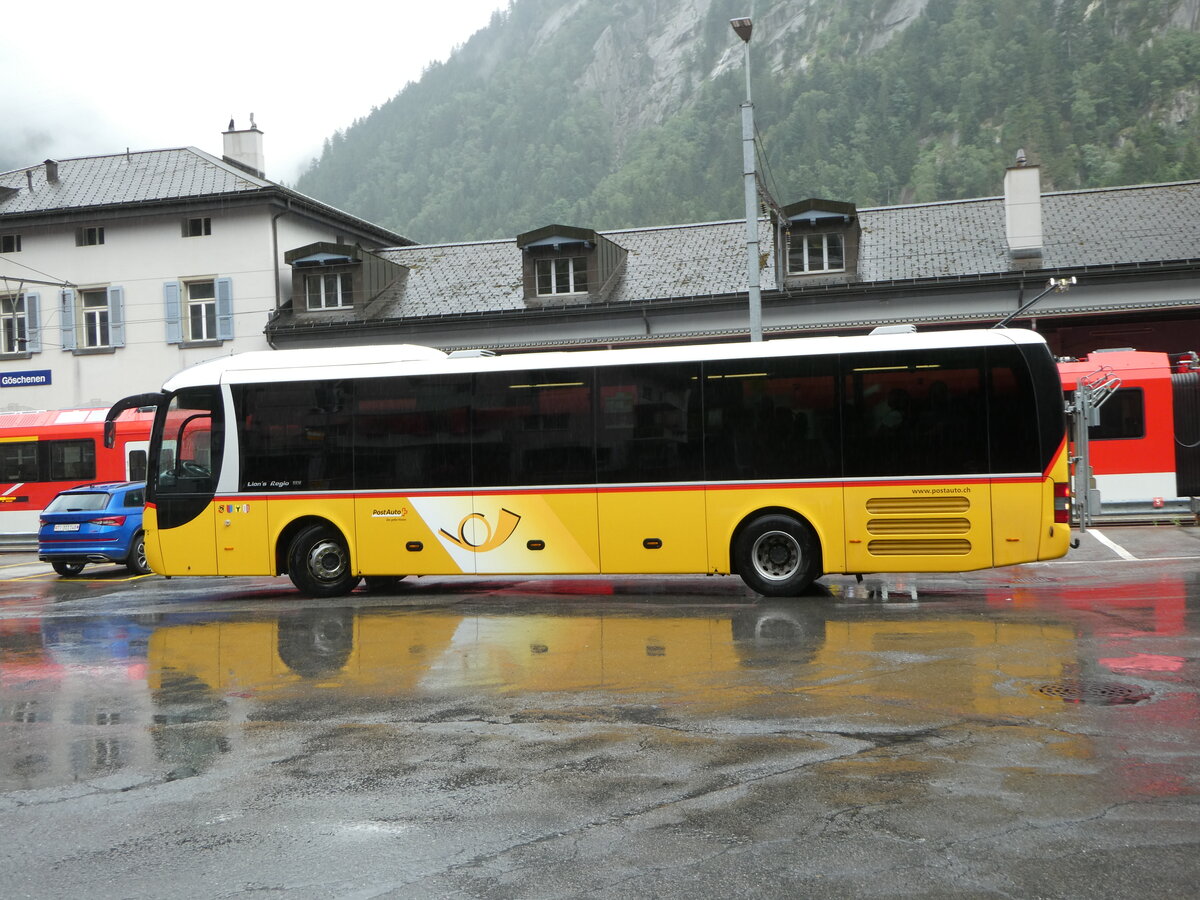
1111	545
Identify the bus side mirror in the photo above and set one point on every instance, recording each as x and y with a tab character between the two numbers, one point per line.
137	401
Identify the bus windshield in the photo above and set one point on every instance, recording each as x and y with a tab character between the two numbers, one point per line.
188	437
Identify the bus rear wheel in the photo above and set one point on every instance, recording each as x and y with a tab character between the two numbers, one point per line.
777	555
319	563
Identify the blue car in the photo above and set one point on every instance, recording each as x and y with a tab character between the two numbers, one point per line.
95	523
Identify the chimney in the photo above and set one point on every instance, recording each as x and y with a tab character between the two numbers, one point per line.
1023	213
51	171
245	148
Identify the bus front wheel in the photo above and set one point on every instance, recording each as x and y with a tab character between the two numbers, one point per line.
777	555
319	563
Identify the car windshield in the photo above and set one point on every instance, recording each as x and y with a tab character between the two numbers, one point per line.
82	502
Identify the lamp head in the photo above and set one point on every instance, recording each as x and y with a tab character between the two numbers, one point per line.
742	28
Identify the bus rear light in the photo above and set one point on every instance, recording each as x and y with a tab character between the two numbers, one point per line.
1062	502
107	520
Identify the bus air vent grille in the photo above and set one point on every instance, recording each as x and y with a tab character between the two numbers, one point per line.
900	505
919	547
928	525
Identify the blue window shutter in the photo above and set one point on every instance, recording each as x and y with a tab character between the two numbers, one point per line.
173	314
67	318
225	309
116	317
33	323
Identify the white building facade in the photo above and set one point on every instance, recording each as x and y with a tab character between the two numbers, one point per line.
117	271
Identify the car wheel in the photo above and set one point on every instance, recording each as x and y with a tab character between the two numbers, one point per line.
319	563
68	568
777	555
136	563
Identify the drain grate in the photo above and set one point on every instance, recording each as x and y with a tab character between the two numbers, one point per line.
1104	693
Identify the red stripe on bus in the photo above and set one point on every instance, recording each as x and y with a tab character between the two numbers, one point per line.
648	489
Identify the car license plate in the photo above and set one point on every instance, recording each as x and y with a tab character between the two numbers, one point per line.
67	526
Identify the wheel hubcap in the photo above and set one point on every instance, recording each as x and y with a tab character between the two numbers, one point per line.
326	561
776	555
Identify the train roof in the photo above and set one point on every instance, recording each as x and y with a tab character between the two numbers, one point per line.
396	359
38	419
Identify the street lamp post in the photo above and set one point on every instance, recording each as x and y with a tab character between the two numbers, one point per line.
742	28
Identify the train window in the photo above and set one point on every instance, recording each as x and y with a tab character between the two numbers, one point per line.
71	460
136	465
19	461
1123	415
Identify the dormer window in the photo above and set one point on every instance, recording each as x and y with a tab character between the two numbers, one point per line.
562	275
340	278
808	253
564	265
819	242
329	290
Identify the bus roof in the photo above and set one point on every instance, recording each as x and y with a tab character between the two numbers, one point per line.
396	359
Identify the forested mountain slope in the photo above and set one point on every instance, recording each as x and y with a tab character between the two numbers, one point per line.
616	113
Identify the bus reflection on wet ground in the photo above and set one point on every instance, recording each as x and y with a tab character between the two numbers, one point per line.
177	691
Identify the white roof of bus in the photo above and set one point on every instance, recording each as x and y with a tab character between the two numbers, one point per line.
394	359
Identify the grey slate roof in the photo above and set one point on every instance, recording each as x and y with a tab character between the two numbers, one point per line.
148	176
122	178
1101	227
679	261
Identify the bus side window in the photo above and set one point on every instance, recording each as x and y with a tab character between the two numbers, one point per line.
533	427
771	418
1012	413
915	413
412	432
649	426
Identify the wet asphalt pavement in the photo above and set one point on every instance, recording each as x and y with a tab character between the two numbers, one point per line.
1023	732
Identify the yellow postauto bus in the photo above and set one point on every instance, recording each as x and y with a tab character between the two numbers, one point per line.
778	461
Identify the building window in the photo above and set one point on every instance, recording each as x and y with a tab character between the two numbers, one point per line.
95	318
199	311
562	275
14	325
332	290
198	227
10	243
808	253
89	237
202	310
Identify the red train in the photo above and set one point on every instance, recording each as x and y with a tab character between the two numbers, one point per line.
42	453
1145	451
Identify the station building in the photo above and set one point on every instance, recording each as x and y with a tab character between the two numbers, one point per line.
117	271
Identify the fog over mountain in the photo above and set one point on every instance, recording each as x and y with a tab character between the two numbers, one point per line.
619	113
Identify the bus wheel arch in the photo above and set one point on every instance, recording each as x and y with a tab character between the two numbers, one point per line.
316	556
776	552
